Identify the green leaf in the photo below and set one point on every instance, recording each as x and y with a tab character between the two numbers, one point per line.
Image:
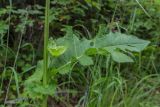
65	68
85	60
121	41
45	90
37	76
120	57
114	41
57	50
92	51
37	90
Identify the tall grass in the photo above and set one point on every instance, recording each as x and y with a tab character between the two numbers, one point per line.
6	48
114	90
45	55
13	68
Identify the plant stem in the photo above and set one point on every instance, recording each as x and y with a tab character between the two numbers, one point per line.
45	52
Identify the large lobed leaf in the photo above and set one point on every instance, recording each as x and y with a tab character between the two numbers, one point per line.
114	42
117	44
121	41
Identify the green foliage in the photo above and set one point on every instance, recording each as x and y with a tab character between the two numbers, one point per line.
3	30
82	50
89	60
65	58
34	87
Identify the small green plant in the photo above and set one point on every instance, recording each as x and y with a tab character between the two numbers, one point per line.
68	51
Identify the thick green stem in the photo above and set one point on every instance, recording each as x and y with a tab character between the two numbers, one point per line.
45	54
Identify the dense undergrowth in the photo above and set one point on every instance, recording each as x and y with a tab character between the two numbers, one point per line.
79	53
